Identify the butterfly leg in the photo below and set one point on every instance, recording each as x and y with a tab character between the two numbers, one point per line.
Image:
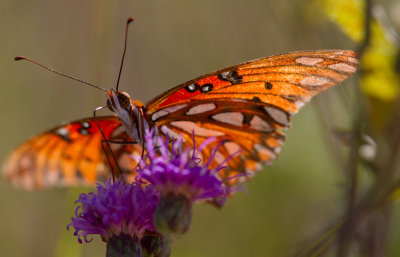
105	145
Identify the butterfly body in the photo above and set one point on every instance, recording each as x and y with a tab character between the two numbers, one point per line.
246	106
131	114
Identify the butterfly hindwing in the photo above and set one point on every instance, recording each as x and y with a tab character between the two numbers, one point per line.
247	105
71	154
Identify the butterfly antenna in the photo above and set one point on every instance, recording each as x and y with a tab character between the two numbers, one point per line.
18	58
123	54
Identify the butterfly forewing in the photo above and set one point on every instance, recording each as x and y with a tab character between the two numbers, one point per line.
247	105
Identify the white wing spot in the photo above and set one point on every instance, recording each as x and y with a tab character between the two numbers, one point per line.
352	60
238	100
249	174
278	115
277	149
164	112
51	177
201	108
159	114
125	160
116	147
189	127
233	118
314	81
309	61
62	132
86	125
264	153
343	67
232	147
299	104
259	124
219	158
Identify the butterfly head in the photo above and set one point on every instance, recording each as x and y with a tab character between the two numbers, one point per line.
118	100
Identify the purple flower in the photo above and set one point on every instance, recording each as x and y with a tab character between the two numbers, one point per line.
173	171
180	180
117	208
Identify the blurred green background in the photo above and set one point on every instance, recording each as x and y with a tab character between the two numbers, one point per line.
170	42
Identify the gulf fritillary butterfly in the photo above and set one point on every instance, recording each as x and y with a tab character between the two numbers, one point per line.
246	105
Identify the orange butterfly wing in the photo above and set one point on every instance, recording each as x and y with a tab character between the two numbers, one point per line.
69	155
247	105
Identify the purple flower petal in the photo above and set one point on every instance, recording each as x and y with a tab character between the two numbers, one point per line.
172	170
116	208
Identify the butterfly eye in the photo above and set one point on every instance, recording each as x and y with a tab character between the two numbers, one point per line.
124	100
109	105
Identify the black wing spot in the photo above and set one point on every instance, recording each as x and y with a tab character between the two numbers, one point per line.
268	85
231	76
256	99
79	175
192	87
67	157
290	98
206	88
89	159
84	129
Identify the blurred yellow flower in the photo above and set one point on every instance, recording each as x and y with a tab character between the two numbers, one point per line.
379	78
